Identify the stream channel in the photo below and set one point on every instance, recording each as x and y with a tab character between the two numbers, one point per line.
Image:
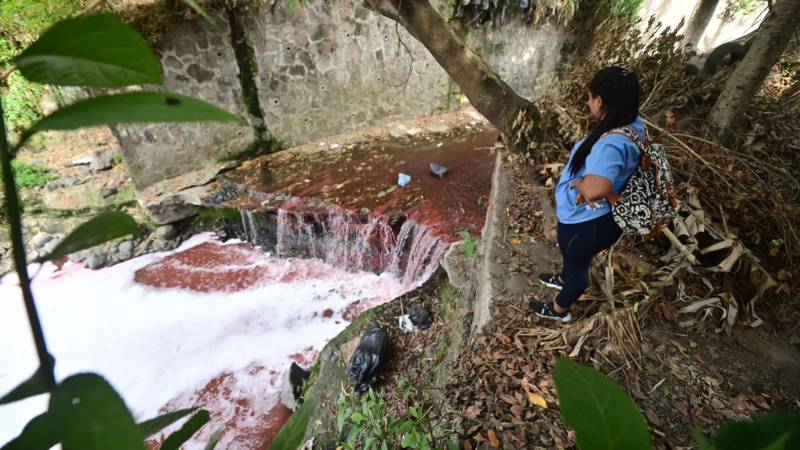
319	237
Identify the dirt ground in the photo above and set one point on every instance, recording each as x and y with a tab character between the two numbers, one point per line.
684	371
682	374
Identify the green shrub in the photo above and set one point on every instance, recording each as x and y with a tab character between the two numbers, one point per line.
21	99
30	175
605	418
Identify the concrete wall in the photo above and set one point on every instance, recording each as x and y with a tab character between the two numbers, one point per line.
720	29
198	61
318	70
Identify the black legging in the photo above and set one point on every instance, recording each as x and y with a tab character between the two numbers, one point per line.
579	242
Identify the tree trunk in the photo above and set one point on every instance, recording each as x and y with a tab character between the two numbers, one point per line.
769	43
699	22
490	95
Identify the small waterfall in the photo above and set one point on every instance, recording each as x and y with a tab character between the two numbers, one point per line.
348	240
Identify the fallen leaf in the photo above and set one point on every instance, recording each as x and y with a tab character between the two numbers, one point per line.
472	412
508	399
493	438
537	400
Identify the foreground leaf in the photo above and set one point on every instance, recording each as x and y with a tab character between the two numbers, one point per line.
34	385
150	427
133	107
290	437
100	229
178	438
602	414
774	431
93	415
98	50
41	433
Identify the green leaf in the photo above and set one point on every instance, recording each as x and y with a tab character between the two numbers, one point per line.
192	4
762	433
98	50
93	415
212	443
780	443
352	435
150	427
291	434
178	438
405	427
702	442
102	228
601	412
34	385
41	433
452	445
357	418
133	107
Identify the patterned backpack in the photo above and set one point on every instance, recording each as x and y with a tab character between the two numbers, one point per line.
647	203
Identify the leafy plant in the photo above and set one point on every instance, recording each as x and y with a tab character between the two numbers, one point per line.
84	411
30	175
604	417
362	423
468	246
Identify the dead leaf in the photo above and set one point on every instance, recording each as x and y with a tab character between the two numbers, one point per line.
472	412
537	400
508	399
493	438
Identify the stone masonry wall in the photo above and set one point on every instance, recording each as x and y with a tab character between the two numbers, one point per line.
199	61
334	67
316	70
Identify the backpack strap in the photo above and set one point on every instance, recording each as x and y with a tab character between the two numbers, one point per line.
631	134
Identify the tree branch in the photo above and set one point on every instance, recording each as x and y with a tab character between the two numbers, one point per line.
6	73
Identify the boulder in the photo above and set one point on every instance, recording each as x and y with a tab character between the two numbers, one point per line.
96	260
40	239
166	232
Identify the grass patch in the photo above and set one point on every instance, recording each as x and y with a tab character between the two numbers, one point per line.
30	175
21	22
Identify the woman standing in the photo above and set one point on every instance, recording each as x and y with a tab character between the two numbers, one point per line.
599	166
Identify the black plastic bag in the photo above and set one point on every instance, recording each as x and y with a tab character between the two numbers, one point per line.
371	354
420	317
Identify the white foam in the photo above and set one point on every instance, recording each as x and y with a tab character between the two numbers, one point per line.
157	345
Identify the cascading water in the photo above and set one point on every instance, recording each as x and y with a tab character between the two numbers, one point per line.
350	241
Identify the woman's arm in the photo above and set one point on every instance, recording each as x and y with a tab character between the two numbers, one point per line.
592	188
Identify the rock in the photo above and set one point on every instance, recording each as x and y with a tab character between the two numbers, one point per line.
50	246
166	232
32	255
53	227
96	260
106	192
125	249
97	160
69	181
52	186
103	160
40	239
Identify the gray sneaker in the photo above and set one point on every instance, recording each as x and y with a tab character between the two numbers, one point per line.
547	311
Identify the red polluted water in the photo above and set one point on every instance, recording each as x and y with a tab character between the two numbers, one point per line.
340	205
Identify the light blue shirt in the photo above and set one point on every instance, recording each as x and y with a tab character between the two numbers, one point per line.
614	157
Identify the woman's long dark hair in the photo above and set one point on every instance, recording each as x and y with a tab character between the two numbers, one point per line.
619	89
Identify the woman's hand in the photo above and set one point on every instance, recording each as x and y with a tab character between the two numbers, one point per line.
591	189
